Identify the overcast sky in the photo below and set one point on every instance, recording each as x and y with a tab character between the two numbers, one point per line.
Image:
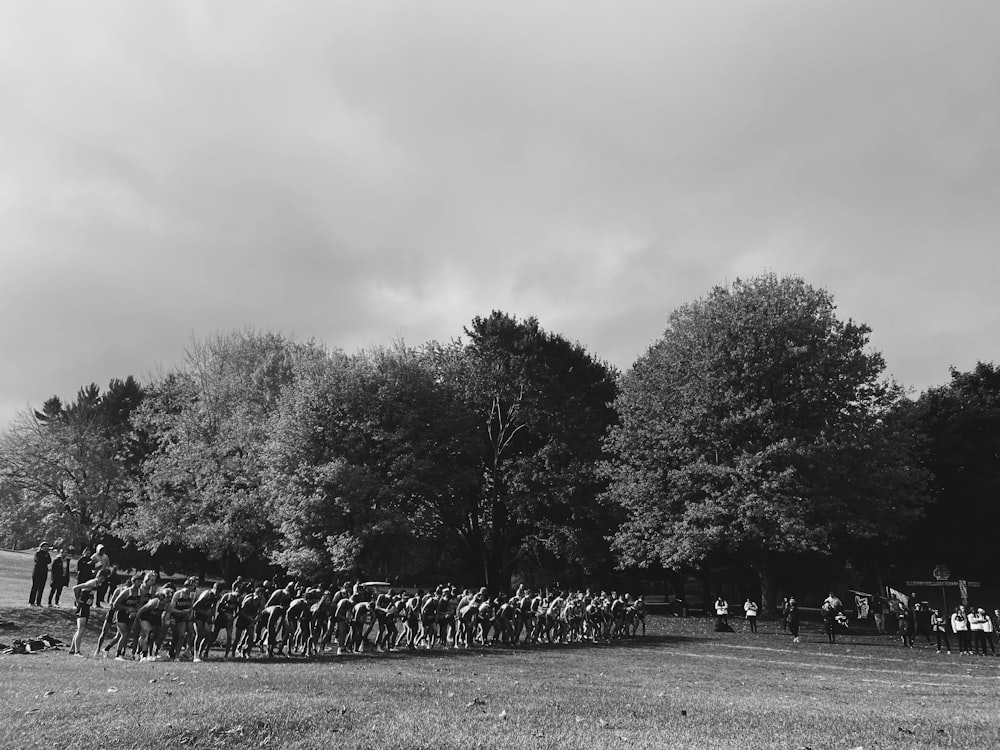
363	172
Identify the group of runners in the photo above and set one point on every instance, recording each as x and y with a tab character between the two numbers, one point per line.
149	621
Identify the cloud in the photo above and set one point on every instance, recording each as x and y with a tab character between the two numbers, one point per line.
362	172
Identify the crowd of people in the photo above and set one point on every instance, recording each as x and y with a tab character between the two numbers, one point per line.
148	621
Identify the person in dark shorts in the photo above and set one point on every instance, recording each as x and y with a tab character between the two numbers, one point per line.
83	597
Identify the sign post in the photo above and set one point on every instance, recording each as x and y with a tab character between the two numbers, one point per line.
941	573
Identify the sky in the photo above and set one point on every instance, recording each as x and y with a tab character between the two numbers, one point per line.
365	172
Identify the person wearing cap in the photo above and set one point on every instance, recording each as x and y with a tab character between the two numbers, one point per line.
39	573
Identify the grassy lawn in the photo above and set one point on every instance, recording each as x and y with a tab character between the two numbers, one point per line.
682	686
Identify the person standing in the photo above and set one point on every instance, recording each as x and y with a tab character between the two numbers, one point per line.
59	578
905	626
988	628
940	627
101	561
83	594
750	608
721	615
39	573
878	612
784	614
977	629
793	618
84	567
832	606
960	627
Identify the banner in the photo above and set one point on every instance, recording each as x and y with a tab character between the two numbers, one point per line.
963	591
862	604
898	598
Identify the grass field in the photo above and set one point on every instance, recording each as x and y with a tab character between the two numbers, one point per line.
682	686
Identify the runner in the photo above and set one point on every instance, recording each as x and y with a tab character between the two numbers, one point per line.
83	596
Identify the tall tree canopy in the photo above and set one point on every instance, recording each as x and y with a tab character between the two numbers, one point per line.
200	486
960	425
541	406
65	466
758	424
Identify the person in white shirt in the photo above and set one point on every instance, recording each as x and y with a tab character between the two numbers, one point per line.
722	615
960	626
750	608
982	631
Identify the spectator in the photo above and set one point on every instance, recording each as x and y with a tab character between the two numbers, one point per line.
940	627
878	612
721	615
977	629
960	627
922	620
750	608
39	573
793	618
84	568
988	627
101	562
905	624
59	579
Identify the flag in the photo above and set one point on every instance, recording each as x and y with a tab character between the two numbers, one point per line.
862	602
963	591
898	597
862	605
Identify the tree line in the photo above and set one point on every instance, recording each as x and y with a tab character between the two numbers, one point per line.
759	433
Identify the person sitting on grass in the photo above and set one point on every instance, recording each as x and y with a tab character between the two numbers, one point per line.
83	597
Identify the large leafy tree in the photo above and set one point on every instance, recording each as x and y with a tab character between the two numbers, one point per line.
66	465
200	486
540	407
960	426
759	424
486	449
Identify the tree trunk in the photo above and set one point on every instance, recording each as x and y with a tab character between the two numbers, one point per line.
768	589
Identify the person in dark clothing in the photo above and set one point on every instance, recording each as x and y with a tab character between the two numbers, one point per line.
939	625
793	618
84	567
38	574
59	578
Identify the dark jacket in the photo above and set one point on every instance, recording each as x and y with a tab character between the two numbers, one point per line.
84	570
60	573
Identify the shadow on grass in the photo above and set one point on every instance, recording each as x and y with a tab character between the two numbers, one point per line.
650	642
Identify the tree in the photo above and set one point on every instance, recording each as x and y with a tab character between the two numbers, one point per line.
540	407
758	425
200	486
960	426
486	449
68	462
